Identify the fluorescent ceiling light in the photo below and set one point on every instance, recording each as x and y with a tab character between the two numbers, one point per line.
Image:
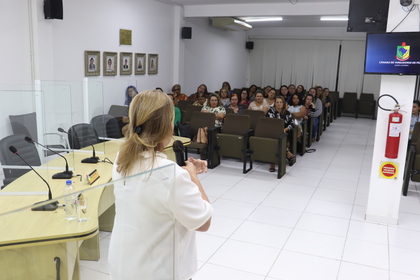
334	18
258	19
242	23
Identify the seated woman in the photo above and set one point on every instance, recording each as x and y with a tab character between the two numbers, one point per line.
201	88
224	96
177	118
252	90
244	100
271	97
259	104
279	111
237	109
130	92
325	97
214	105
284	91
201	99
301	91
176	89
297	109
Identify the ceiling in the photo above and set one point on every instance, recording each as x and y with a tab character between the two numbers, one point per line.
295	13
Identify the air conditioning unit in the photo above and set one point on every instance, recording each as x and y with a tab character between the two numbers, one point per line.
230	24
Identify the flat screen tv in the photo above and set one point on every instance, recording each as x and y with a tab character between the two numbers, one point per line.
393	53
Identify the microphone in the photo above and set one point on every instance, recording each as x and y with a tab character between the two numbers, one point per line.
93	159
68	174
178	148
45	207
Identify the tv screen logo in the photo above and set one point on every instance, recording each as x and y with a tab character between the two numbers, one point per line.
403	52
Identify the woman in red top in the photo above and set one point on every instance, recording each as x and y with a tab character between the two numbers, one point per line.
176	89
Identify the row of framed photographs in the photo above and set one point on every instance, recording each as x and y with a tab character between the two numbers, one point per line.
110	63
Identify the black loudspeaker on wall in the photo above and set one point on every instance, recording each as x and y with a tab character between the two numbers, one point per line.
53	9
186	32
249	45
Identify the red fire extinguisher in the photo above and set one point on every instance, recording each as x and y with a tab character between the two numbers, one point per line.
394	133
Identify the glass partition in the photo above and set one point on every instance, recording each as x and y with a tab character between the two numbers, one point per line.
46	245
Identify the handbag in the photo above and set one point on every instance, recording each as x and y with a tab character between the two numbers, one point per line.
202	135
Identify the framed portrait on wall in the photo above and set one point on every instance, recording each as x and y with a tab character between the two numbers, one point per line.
139	64
126	63
92	63
110	63
153	63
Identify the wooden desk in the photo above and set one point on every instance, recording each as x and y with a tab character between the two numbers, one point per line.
31	240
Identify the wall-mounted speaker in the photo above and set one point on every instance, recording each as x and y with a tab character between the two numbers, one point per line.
53	9
249	45
186	32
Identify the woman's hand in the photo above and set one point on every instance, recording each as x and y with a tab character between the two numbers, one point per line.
195	166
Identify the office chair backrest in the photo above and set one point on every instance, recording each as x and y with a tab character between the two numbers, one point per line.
106	126
254	116
269	128
189	110
83	131
118	111
199	119
26	150
24	124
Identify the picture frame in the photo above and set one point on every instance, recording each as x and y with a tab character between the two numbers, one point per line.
153	63
126	63
92	63
110	63
140	63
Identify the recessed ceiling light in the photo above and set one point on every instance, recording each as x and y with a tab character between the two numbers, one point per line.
257	19
334	18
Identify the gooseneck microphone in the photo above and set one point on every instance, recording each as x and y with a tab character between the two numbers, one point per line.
94	158
178	148
51	206
68	174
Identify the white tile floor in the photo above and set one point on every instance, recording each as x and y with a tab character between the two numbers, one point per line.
307	225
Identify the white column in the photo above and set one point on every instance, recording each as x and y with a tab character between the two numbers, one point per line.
385	194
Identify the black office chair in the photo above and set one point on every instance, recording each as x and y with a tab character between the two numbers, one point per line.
26	150
106	126
82	135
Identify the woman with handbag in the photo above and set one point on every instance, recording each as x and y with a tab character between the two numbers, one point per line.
157	214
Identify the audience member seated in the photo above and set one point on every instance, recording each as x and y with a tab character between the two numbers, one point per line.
237	109
227	85
244	101
319	91
224	96
177	118
284	91
297	109
176	89
130	92
271	97
279	111
266	90
201	99
251	93
301	91
325	97
414	115
214	105
259	104
292	89
201	88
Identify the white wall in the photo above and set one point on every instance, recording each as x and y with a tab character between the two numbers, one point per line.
213	56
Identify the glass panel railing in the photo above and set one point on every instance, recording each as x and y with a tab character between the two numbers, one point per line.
46	245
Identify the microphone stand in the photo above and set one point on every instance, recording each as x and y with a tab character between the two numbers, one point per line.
67	174
52	205
94	158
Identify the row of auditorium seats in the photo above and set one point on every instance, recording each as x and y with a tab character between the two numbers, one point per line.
364	106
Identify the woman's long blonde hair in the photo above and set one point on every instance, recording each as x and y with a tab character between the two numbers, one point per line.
151	117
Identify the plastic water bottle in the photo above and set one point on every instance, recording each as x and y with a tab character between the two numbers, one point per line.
70	200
